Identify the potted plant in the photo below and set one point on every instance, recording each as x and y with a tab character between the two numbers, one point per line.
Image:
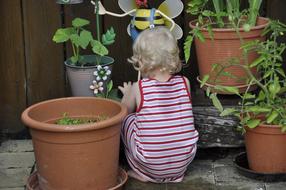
219	31
76	143
262	113
80	68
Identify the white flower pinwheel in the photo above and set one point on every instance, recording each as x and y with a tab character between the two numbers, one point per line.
96	87
102	73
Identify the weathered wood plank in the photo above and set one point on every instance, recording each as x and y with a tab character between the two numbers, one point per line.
44	58
216	131
84	10
122	48
12	67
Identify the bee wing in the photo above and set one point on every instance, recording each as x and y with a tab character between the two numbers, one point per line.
177	30
128	29
127	5
172	8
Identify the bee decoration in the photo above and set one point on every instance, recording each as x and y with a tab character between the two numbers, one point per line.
144	16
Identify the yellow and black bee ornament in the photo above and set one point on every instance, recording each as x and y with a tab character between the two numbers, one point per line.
144	16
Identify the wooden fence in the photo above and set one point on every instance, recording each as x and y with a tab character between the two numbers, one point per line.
31	64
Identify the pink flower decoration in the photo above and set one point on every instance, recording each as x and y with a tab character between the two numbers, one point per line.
142	3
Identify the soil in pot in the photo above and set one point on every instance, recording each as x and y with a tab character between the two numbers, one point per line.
66	120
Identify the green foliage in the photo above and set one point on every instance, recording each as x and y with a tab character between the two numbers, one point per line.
268	103
66	120
80	38
221	14
109	37
110	93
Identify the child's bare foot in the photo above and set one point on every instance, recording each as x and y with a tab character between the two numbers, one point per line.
136	176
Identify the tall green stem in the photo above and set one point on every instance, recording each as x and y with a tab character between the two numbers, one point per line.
97	21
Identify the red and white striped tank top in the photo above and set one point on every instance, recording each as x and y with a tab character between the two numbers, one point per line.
165	136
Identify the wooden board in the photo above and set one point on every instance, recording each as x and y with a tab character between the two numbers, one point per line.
44	58
12	67
121	50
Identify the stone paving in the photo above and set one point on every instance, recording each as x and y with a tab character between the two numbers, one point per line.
211	170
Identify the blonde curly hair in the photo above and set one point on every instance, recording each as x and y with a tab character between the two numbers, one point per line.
156	48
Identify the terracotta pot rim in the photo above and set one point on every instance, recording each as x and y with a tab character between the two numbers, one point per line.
264	125
259	27
240	87
34	124
266	129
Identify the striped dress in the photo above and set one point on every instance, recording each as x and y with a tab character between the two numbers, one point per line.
160	138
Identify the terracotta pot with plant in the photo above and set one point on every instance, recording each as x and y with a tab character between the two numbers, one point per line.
81	68
262	113
219	32
76	143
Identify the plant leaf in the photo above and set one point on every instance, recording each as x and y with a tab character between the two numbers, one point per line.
84	38
228	111
229	89
109	86
257	61
258	109
274	114
109	37
75	39
98	48
216	102
187	46
283	128
79	22
63	34
205	79
252	123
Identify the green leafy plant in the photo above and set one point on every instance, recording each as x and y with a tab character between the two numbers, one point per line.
66	120
219	14
80	38
268	103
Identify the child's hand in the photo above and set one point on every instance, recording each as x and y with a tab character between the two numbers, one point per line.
126	88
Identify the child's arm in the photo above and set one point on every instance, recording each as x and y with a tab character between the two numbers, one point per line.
129	95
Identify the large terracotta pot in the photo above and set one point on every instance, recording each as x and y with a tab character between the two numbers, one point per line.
225	45
265	147
80	78
76	156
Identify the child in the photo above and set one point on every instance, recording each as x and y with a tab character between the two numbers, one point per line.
159	137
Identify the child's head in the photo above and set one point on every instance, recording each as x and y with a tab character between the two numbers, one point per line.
156	49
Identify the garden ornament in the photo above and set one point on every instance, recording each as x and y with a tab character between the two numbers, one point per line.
144	16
